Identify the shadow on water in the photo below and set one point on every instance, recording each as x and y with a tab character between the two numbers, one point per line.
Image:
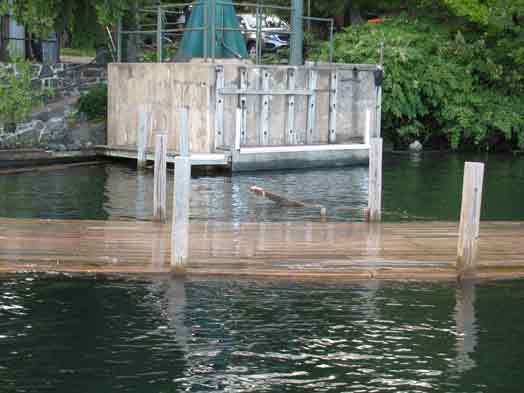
92	334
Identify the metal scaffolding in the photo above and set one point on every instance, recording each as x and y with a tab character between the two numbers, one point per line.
162	28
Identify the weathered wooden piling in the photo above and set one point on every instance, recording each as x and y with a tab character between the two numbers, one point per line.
467	251
375	180
144	117
160	183
181	196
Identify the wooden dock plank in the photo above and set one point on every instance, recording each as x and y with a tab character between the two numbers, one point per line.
421	250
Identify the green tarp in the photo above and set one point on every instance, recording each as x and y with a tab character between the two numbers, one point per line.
229	44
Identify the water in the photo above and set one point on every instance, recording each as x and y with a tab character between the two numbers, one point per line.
61	333
92	334
426	188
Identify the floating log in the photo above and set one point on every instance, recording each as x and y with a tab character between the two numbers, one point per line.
285	202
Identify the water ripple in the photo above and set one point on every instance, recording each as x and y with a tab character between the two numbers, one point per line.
135	335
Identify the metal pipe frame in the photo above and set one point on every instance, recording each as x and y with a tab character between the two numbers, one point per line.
161	9
331	21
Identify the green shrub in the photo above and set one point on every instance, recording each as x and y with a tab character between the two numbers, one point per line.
150	55
93	103
17	94
439	85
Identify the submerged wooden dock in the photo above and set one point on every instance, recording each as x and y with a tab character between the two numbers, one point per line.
423	250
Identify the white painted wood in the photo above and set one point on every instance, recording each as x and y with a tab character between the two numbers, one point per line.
367	132
180	225
264	119
160	178
375	180
301	148
312	107
255	92
333	106
143	131
183	132
220	159
238	129
291	134
219	107
243	106
467	250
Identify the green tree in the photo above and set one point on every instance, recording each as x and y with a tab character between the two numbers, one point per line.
440	85
85	19
17	95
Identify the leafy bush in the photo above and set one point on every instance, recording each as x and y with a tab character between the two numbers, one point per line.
93	103
439	85
150	55
17	95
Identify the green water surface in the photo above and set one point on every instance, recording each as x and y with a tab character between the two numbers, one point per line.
61	333
65	334
415	188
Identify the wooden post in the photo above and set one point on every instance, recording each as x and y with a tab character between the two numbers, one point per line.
291	133
264	116
119	40
160	184
143	129
243	106
159	35
333	90
180	229
375	180
367	132
312	107
219	104
238	129
470	219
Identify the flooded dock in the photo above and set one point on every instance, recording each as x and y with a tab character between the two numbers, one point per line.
422	250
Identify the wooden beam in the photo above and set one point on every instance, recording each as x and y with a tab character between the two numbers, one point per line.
181	198
219	107
333	84
312	107
143	131
375	180
243	106
291	133
264	119
467	250
160	180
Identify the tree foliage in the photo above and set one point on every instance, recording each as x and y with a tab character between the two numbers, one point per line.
17	95
93	103
85	19
440	83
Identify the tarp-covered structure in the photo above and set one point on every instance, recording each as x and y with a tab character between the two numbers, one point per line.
228	44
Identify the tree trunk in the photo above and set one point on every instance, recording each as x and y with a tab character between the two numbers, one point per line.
352	13
132	40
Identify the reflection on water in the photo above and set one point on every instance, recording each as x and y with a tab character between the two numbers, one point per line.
466	327
424	188
63	334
